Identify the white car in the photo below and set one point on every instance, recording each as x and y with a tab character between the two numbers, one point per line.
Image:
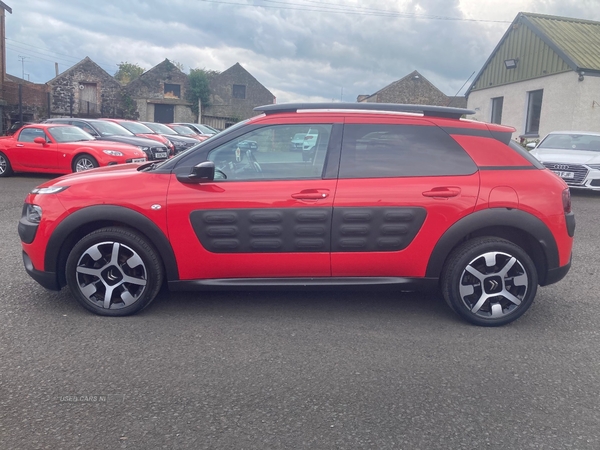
572	155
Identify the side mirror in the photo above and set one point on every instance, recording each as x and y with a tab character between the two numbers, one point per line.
40	140
531	145
203	172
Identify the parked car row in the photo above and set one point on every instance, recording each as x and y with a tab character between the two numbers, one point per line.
62	145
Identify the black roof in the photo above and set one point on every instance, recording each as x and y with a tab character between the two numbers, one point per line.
426	110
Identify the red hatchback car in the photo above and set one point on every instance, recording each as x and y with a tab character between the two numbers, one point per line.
51	148
404	195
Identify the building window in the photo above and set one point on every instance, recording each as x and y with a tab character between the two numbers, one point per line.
497	110
534	111
172	90
239	91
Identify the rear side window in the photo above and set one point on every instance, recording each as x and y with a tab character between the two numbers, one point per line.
384	151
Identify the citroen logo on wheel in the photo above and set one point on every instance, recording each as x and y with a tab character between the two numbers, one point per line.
111	276
560	166
493	285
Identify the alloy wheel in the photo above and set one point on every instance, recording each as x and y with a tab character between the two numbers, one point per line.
111	275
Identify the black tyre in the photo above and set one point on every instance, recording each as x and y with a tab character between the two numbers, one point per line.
5	167
114	272
489	281
84	162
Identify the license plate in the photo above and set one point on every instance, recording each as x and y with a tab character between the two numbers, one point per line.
564	174
138	160
160	155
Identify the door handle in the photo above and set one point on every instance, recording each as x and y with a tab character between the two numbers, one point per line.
20	145
443	192
310	195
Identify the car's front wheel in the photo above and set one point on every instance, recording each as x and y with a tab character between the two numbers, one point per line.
84	162
114	272
489	281
5	167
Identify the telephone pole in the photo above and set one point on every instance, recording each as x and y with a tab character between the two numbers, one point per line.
23	58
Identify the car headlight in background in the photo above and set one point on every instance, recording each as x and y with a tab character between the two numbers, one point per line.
113	152
144	149
49	190
594	166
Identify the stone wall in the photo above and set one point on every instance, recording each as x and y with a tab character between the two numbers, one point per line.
222	102
71	87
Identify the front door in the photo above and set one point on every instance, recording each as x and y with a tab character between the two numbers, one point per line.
267	214
31	154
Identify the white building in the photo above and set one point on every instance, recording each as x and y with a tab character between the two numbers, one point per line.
543	76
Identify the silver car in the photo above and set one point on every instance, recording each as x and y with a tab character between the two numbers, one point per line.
572	155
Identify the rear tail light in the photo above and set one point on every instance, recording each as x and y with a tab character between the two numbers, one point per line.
566	200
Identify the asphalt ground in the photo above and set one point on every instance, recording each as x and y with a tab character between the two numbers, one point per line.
372	369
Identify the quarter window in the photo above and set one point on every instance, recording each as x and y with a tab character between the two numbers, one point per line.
534	112
274	153
379	151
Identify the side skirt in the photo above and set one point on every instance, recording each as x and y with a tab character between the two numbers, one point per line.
403	284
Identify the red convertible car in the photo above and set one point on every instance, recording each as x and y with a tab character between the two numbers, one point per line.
51	148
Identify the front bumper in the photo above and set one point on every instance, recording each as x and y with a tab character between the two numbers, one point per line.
49	280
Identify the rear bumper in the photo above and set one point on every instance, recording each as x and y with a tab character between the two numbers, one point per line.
555	275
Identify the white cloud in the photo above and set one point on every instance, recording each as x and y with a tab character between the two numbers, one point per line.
295	48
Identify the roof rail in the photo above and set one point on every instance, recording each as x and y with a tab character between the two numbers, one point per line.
431	111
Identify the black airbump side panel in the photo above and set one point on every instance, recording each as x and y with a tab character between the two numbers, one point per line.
263	230
375	229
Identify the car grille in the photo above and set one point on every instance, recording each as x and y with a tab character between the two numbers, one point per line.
579	171
155	150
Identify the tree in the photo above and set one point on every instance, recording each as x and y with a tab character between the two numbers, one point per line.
199	90
128	72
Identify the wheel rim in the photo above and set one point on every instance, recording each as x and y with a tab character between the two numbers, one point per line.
3	164
83	164
111	275
493	285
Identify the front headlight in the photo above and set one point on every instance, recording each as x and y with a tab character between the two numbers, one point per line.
144	149
49	190
33	213
113	152
594	166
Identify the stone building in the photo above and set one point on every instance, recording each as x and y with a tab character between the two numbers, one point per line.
234	94
84	90
159	94
413	89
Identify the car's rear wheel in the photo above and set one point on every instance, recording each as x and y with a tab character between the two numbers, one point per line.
84	162
114	272
5	167
489	281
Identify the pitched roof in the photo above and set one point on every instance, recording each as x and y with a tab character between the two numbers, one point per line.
564	44
86	60
577	40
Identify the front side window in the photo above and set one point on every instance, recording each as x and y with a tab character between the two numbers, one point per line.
29	134
534	112
69	134
497	104
269	153
386	151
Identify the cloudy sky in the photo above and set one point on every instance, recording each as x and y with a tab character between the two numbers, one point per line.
301	50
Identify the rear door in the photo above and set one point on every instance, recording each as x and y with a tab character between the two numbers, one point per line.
402	183
267	215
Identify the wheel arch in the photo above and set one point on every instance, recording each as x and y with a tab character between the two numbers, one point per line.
82	151
516	226
86	220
